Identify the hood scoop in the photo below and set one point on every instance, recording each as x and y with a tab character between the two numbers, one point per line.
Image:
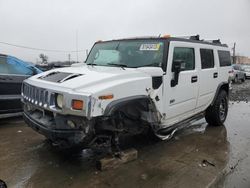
59	77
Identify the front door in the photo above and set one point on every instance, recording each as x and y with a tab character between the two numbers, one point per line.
181	99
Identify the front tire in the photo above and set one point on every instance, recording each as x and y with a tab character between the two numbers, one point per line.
236	80
216	114
243	79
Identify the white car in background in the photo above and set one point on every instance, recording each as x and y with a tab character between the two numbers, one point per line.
247	71
237	73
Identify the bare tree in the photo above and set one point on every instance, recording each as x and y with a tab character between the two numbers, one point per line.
44	58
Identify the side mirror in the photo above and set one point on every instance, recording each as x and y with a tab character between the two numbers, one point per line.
177	67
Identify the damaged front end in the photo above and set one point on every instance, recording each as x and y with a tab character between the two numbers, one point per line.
65	131
69	128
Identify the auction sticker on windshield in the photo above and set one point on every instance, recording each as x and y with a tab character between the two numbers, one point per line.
150	47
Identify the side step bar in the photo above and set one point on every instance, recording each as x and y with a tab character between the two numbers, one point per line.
166	137
168	133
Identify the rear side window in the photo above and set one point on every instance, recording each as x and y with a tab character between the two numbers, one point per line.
207	58
186	55
224	58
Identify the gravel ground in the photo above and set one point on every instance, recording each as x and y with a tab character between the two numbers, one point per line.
240	91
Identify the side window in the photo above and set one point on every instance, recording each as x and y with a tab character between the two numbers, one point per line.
186	55
18	69
3	65
207	58
17	66
235	67
224	58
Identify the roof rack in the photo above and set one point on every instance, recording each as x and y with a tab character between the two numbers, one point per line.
197	37
192	37
217	41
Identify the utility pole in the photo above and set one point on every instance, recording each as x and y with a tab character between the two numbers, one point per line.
234	58
77	46
69	59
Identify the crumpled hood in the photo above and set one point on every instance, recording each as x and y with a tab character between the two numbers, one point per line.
83	77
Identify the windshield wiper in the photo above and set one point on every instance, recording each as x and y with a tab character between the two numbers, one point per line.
118	65
150	65
92	64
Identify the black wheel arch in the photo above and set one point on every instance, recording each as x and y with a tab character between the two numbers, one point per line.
115	105
221	86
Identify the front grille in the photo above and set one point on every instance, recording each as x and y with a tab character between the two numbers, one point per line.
37	96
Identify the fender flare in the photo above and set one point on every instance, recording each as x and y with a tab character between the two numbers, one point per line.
114	105
220	86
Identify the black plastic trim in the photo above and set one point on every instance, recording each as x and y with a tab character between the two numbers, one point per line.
114	105
218	90
156	82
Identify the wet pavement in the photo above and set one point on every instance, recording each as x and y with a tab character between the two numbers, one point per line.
198	156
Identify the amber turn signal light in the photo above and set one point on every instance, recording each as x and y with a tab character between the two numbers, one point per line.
105	97
77	104
166	36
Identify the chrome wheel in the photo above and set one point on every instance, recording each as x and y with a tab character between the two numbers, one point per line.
222	109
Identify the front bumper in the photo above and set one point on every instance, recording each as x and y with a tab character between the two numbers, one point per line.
56	128
248	74
49	133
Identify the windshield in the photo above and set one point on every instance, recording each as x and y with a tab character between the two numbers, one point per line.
136	53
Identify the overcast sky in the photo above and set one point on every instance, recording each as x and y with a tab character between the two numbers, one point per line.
54	24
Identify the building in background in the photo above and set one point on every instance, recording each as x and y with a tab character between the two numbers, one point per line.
242	60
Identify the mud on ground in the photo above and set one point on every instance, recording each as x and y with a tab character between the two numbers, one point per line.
240	91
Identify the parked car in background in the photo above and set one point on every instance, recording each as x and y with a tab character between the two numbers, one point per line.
247	70
238	73
12	73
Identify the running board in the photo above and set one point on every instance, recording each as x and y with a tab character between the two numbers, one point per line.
170	131
166	137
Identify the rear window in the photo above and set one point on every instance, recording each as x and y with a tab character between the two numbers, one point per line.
224	58
207	58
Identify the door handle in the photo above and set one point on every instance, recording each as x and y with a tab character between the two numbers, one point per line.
194	79
215	74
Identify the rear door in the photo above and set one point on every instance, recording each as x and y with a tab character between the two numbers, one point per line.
10	87
181	99
208	77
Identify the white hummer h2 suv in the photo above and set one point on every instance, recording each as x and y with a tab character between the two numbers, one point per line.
129	86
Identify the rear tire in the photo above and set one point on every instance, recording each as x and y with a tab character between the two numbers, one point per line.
216	114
